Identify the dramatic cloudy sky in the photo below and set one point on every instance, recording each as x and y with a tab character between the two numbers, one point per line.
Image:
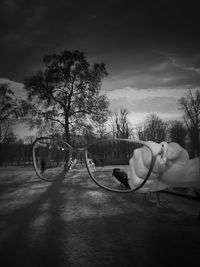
151	48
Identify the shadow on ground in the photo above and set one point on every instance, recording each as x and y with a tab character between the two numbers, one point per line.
72	222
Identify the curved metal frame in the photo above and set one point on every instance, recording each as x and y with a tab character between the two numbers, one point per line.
153	159
33	154
85	152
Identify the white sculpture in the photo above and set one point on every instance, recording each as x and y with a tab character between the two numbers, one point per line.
172	168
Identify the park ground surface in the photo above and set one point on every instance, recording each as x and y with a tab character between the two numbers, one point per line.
73	222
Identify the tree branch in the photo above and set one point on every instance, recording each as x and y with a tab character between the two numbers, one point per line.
50	118
189	114
56	100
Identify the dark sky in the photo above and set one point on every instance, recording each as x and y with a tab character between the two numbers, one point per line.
144	44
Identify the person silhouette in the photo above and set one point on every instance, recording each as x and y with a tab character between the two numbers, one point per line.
43	165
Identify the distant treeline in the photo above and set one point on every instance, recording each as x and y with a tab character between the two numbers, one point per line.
15	154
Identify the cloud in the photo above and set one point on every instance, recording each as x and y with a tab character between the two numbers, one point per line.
128	36
135	93
155	70
142	102
158	104
120	103
17	88
191	64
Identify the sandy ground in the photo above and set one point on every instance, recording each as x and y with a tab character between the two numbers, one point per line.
72	222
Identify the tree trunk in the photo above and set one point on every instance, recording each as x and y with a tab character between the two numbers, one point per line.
67	139
198	143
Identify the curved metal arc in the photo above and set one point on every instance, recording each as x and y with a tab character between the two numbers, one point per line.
119	139
34	158
153	160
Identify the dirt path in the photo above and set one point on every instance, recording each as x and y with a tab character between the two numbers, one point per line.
72	222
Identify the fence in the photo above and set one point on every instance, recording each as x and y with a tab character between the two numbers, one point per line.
15	154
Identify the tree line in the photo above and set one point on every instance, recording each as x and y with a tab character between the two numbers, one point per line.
65	99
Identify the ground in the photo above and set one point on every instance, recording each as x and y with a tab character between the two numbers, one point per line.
73	222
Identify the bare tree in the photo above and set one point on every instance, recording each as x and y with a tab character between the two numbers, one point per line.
111	125
190	105
101	128
9	111
123	128
177	132
153	129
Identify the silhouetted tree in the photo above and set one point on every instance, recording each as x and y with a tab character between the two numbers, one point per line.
67	90
177	132
154	129
123	128
9	111
190	104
